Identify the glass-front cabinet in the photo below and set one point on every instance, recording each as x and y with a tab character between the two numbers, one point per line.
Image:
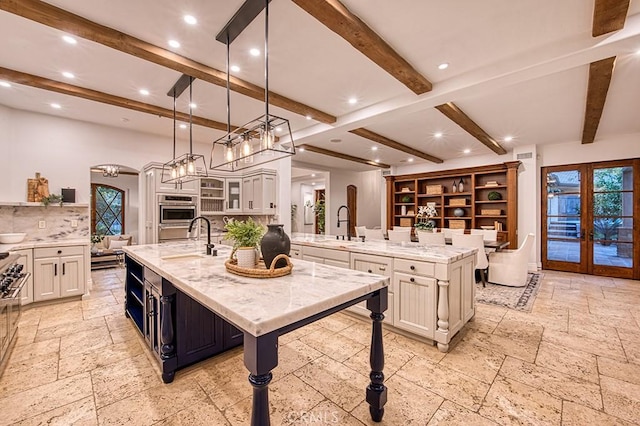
234	195
212	195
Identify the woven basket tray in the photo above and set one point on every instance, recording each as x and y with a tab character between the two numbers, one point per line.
260	271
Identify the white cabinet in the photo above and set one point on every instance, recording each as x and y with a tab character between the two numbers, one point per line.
26	259
212	195
414	308
155	174
380	265
326	256
259	193
234	195
295	252
58	272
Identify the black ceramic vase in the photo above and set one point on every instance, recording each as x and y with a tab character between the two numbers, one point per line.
273	243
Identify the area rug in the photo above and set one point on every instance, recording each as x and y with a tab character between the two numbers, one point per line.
518	298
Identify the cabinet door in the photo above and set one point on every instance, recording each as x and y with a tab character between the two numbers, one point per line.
46	279
269	194
374	265
415	304
252	194
26	259
198	331
234	195
247	191
71	275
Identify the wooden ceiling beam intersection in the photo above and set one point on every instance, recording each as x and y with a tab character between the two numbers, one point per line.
105	98
609	16
335	16
341	156
52	16
600	73
455	114
383	140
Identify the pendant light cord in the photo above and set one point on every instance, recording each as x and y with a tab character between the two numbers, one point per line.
190	117
228	92
266	64
174	124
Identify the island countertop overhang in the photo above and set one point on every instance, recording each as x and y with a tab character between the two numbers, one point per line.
257	306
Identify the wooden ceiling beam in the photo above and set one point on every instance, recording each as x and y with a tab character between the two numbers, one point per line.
609	16
600	73
341	156
455	114
383	140
105	98
335	16
49	15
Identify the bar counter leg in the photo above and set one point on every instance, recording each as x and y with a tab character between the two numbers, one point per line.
376	395
260	357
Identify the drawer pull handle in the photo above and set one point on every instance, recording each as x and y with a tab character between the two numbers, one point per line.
413	280
382	268
59	251
369	271
413	268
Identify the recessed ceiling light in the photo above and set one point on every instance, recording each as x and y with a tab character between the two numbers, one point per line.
313	183
254	52
508	138
443	66
144	92
193	105
174	43
308	117
410	160
353	101
4	84
68	74
56	106
69	39
437	134
313	175
190	20
374	148
301	149
183	126
235	68
466	151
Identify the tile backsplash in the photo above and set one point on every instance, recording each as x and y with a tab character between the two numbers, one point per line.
57	222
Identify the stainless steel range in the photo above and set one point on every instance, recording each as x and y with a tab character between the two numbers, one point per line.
12	280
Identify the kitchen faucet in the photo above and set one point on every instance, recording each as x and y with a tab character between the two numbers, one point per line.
209	245
348	220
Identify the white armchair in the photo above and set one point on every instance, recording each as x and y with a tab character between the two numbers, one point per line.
360	231
399	235
473	241
373	234
510	267
431	238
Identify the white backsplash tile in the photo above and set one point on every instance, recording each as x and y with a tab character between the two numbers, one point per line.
57	222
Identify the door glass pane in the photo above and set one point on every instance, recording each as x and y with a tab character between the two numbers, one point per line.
563	216
613	216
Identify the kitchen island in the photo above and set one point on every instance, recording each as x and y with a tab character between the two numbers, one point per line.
160	275
432	290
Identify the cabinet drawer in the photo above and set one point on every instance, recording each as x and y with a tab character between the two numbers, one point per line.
58	251
373	264
415	267
295	252
341	256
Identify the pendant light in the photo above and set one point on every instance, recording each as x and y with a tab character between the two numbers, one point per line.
186	167
256	142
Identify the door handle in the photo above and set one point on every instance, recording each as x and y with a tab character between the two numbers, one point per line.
63	268
55	269
590	235
582	234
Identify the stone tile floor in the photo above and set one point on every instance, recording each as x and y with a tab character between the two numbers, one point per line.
574	360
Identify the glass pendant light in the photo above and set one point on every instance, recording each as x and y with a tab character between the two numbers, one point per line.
254	143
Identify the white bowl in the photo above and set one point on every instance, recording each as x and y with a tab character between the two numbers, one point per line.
12	238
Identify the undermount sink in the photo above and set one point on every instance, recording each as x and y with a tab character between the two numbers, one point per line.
185	256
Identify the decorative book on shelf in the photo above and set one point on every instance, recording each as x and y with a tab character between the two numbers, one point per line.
458	202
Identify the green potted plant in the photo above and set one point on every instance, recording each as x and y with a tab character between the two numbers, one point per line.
246	236
51	198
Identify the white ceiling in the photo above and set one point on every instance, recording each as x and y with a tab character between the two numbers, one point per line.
517	68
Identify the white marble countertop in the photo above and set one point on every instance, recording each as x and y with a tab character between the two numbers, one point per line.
404	250
45	243
257	306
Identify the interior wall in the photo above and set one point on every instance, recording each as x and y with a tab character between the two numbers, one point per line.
63	151
129	184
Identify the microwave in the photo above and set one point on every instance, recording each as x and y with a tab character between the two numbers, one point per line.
177	209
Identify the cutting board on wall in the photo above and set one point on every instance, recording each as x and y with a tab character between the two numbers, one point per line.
37	188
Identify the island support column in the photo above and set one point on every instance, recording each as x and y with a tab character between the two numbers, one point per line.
376	391
260	357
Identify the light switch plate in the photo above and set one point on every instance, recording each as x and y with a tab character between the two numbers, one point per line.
42	224
74	223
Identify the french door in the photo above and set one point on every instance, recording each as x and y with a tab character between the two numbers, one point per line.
588	217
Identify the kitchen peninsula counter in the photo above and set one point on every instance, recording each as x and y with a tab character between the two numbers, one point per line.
263	309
